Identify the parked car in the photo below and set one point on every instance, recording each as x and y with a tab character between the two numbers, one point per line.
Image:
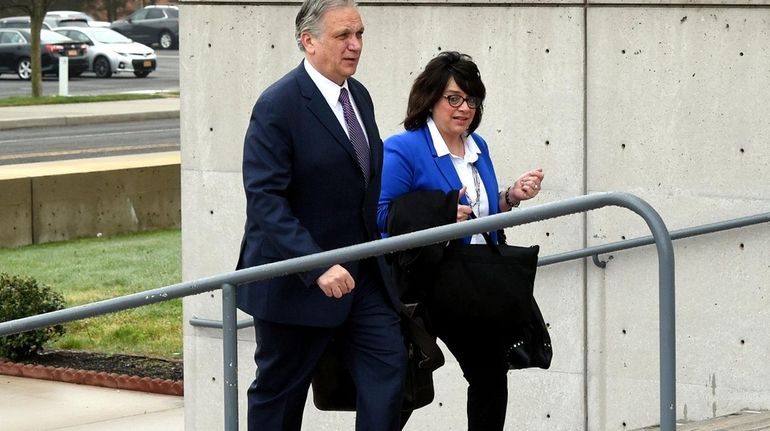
16	48
61	18
19	22
150	25
53	19
110	52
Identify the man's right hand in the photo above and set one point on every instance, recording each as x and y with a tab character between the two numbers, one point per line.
336	281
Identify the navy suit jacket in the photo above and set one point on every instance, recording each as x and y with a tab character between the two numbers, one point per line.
411	164
305	194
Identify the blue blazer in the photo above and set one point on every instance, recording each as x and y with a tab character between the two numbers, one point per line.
411	163
305	193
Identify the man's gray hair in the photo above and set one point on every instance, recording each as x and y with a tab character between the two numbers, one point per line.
310	15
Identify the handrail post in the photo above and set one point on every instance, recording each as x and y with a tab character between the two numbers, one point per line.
667	312
666	303
230	356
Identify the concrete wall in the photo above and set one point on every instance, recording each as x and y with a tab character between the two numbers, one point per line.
665	101
40	209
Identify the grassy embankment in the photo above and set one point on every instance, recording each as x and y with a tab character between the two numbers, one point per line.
92	269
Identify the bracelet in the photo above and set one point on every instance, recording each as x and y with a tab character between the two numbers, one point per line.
508	198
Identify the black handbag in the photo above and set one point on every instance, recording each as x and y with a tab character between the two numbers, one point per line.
334	389
489	287
483	284
485	287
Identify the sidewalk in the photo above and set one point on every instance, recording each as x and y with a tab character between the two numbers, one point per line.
70	114
44	405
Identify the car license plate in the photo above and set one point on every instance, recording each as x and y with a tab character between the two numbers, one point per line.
147	63
72	53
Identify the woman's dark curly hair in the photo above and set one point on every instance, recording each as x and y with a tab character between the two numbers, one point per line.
429	87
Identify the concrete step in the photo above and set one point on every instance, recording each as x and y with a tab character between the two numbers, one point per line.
745	420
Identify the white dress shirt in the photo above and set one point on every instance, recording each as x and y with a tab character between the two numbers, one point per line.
463	166
331	92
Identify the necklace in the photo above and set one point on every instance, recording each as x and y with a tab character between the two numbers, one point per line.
475	203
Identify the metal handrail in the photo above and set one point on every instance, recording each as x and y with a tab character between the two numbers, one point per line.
227	281
593	252
689	232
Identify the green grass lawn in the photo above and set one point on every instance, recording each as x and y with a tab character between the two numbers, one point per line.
92	269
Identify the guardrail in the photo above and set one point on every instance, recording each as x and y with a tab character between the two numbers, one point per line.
227	281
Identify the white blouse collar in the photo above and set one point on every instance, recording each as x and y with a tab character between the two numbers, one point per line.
472	150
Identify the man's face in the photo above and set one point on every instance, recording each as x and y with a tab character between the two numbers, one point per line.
336	51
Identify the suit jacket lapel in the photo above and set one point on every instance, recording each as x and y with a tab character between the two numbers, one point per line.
318	106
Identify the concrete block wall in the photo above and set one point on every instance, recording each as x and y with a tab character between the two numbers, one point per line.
662	100
40	209
15	210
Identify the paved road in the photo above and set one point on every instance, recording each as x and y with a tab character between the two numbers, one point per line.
41	144
164	78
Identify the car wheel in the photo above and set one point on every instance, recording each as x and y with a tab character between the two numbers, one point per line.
24	68
166	40
141	73
102	67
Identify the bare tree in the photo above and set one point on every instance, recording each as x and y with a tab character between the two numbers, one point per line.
36	10
118	8
99	9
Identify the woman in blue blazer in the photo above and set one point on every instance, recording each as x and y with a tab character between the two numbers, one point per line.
440	151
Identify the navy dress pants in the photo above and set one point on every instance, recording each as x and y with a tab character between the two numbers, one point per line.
286	357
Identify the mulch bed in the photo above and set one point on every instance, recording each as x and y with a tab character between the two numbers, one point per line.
130	372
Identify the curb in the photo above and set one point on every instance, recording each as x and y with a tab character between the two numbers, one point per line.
93	378
77	120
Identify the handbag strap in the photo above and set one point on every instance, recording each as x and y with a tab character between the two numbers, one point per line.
431	356
487	236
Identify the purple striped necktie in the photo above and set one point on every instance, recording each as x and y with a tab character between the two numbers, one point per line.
357	137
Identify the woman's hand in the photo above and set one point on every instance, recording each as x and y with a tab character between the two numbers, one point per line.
463	211
527	186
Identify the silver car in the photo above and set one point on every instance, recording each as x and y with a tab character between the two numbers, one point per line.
110	52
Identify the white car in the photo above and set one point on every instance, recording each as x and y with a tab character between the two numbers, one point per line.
110	52
62	18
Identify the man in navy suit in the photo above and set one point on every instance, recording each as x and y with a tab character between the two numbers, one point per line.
312	162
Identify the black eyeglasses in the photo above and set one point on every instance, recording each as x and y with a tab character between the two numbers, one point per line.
455	101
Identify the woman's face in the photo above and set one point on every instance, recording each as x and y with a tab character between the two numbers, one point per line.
451	121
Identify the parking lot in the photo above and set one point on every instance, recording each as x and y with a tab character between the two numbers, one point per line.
164	78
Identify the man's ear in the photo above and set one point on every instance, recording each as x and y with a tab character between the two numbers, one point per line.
308	41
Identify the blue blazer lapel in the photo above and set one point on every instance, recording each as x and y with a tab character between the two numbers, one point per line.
488	178
444	165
